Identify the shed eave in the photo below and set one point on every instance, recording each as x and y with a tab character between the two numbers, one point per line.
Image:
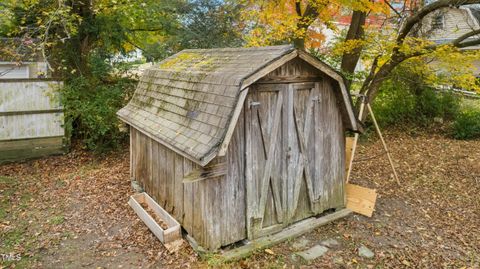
203	162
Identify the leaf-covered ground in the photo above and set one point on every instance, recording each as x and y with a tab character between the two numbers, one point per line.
71	212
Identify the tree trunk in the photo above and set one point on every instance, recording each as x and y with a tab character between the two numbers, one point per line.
356	31
299	43
86	37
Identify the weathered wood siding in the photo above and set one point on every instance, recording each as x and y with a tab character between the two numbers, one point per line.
285	163
296	70
294	148
211	210
31	119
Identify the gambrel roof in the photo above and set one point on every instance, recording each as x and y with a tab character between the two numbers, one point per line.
190	102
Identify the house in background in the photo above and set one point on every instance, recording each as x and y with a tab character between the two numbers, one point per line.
20	60
441	27
448	24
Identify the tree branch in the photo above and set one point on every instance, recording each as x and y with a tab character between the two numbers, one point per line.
145	30
458	42
310	11
298	8
469	44
392	8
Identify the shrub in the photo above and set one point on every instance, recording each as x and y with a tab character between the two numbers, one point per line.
91	104
394	104
406	99
467	124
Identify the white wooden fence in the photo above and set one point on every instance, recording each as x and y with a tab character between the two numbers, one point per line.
31	119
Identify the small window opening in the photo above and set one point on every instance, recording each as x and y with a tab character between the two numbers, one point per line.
438	22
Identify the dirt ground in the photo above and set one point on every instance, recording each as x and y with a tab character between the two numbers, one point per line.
71	212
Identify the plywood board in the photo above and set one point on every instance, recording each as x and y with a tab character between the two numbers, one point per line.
361	200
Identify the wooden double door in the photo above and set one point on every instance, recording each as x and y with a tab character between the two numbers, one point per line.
294	154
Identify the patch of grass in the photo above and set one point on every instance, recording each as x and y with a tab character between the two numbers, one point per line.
57	220
5	180
67	235
60	183
22	262
7	189
25	200
213	260
12	238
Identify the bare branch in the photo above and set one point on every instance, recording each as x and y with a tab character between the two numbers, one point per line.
392	8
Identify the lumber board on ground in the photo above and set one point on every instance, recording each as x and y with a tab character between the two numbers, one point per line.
361	200
292	231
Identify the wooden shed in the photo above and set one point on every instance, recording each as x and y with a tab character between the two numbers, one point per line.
239	143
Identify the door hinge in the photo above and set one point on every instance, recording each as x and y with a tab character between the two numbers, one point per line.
253	104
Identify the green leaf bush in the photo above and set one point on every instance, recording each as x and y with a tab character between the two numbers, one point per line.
406	99
91	103
467	124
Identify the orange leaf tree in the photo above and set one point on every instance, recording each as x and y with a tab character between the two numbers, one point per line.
386	34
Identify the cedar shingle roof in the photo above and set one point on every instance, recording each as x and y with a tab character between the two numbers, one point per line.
186	102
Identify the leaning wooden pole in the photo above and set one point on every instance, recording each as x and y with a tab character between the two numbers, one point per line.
355	139
383	142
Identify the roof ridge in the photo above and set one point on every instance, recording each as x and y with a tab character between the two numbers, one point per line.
279	47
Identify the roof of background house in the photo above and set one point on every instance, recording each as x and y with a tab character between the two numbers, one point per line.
476	13
190	101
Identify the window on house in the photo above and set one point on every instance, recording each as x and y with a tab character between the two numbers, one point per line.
437	22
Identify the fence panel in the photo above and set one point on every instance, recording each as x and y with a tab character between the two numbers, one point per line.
31	119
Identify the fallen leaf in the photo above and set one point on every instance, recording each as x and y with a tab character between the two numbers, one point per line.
269	251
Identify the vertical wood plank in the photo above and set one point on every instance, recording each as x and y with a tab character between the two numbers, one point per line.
234	184
188	196
132	153
155	167
169	179
148	163
292	151
178	188
199	211
161	191
250	191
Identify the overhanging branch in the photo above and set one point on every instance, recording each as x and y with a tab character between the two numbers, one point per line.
458	42
470	43
145	30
